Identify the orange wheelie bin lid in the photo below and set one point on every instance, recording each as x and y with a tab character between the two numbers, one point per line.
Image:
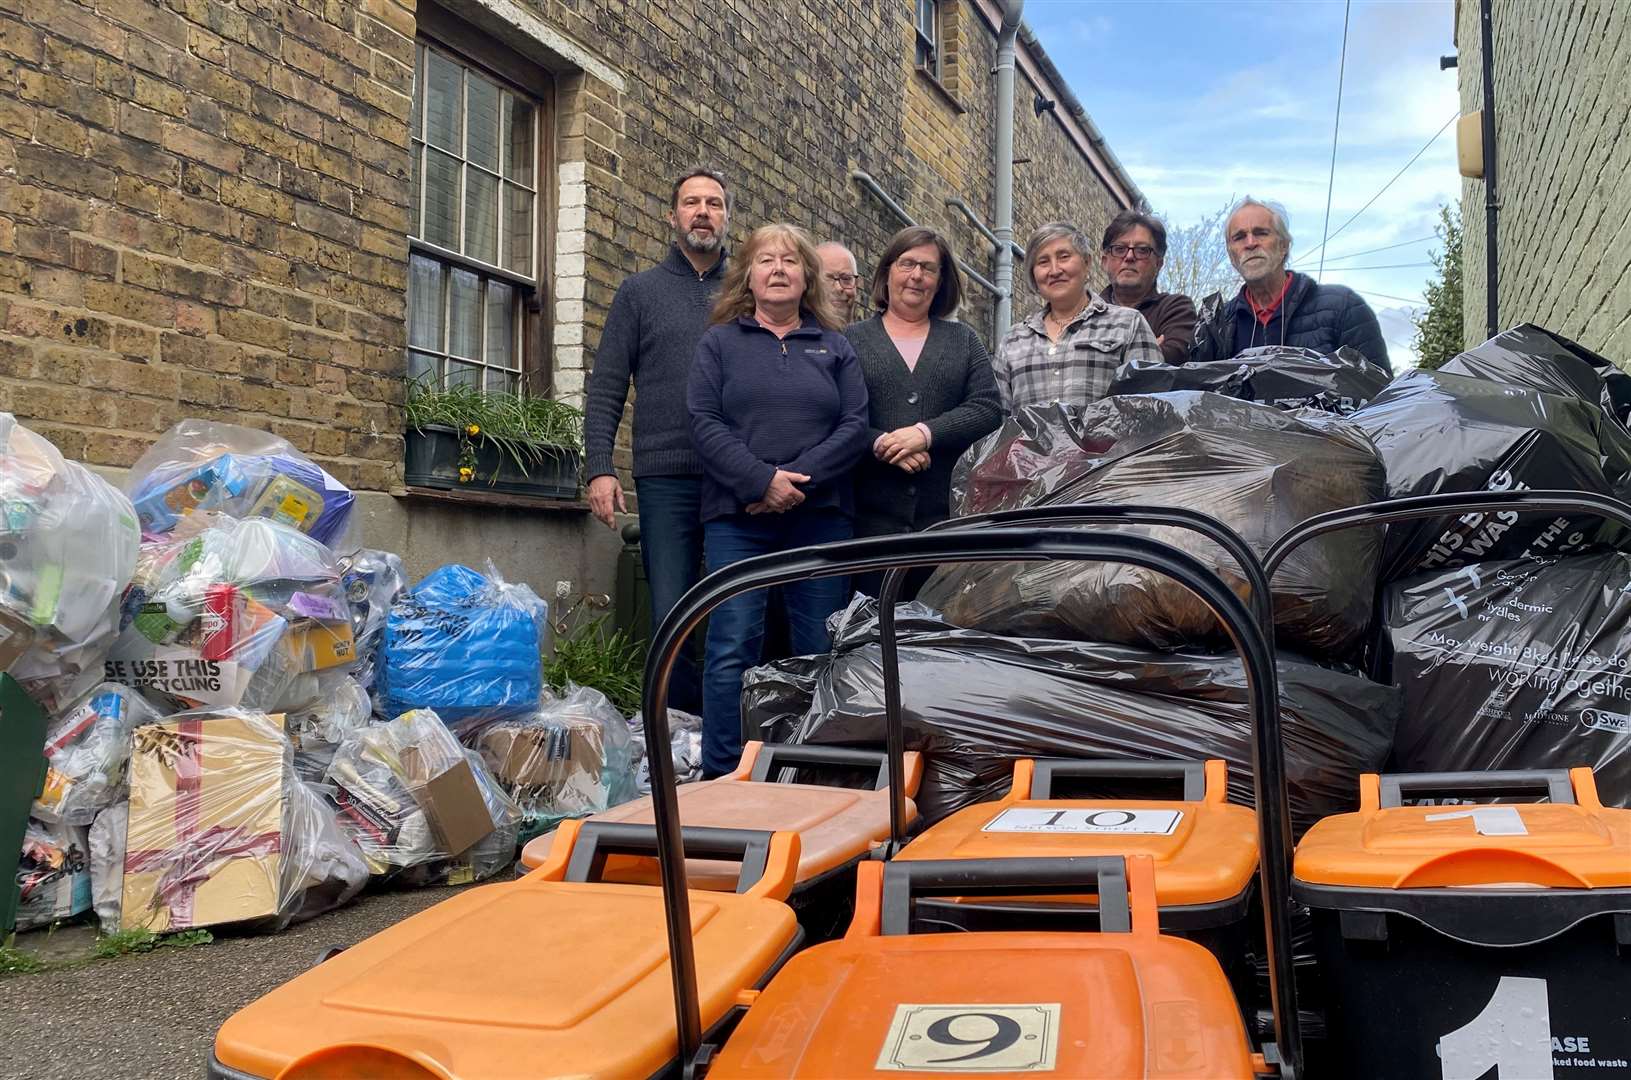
1473	938
1203	847
1124	1002
543	976
1573	842
835	825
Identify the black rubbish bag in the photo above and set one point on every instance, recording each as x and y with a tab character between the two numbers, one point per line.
1253	467
1439	432
1522	664
972	702
1531	356
1279	375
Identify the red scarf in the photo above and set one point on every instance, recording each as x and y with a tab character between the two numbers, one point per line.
1266	313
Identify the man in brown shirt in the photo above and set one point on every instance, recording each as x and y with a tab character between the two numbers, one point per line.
1135	244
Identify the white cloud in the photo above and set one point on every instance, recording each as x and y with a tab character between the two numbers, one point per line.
1091	29
1400	334
1217	120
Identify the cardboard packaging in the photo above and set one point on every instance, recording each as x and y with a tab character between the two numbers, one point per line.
16	635
54	876
318	646
452	802
539	755
205	842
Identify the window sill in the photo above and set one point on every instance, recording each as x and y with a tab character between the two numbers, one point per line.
946	96
499	500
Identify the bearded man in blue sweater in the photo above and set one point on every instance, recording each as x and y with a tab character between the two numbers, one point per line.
651	336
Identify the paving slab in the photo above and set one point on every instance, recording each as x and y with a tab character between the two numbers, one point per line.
153	1016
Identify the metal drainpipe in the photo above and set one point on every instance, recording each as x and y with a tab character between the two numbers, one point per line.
979	226
1004	223
1492	202
862	177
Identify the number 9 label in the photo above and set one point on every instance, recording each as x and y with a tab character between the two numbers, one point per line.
971	1038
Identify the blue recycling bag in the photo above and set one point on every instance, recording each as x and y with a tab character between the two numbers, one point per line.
466	645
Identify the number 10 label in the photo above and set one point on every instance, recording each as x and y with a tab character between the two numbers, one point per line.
1025	819
971	1038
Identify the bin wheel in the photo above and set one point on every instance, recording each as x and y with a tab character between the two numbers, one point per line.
329	953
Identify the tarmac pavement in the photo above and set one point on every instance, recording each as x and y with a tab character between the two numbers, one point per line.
153	1016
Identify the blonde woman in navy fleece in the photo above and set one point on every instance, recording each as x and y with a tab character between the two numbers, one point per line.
779	418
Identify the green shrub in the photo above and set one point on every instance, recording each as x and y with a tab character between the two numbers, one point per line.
589	656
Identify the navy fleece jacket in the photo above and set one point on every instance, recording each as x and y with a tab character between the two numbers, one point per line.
651	335
760	403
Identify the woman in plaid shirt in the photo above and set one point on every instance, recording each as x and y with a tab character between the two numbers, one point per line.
1068	351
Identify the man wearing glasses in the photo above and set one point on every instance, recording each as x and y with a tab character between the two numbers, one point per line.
1135	244
838	269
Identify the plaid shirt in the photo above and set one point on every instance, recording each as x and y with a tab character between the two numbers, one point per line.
1076	370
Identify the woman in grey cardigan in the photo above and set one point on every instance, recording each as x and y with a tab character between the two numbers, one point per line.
929	384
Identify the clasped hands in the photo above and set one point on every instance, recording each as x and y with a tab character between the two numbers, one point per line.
905	447
781	495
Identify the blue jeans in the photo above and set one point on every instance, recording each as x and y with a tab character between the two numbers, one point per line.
671	548
736	627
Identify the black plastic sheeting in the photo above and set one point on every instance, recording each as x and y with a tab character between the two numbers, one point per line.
1531	356
1536	358
973	702
1251	466
1526	409
1278	375
1516	665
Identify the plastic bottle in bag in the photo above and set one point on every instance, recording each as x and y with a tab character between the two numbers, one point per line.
68	546
203	465
232	613
86	748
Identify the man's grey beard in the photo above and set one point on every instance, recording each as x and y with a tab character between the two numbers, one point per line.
1273	269
700	242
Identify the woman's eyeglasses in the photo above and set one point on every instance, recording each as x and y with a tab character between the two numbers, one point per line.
912	266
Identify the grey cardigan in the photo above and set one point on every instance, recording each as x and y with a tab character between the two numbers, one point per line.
951	391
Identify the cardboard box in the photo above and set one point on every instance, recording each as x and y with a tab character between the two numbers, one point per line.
541	755
452	802
205	843
54	876
318	646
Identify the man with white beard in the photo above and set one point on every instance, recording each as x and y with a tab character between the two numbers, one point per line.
656	320
1277	306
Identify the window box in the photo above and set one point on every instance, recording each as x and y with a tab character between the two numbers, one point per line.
433	454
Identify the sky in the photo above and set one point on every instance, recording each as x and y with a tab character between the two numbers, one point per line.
1204	102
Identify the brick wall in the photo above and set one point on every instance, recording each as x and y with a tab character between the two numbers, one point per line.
204	214
788	98
203	203
1563	133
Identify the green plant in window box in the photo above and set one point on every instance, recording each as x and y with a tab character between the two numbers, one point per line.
460	435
